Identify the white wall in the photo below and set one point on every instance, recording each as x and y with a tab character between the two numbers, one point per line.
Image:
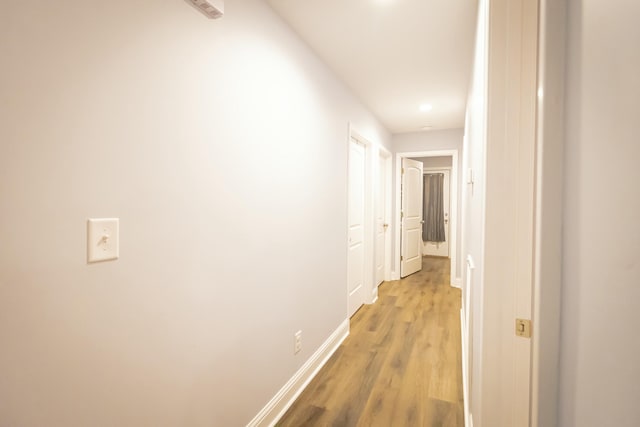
435	162
212	141
600	373
448	139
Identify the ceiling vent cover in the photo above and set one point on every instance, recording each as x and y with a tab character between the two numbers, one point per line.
212	9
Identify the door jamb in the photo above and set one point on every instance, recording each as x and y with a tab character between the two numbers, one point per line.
455	280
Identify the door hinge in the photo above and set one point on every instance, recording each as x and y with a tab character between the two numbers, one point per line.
523	328
401	258
401	214
402	170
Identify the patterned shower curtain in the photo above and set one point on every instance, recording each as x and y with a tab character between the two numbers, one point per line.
433	208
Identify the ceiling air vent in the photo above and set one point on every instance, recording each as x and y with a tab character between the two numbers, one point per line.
211	8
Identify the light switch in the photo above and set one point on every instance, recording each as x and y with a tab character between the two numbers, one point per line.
102	239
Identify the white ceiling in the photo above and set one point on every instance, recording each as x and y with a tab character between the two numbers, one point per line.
394	54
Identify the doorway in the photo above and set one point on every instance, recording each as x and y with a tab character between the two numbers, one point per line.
430	157
438	247
369	212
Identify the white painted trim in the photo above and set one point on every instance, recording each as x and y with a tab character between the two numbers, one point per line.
466	326
455	185
465	375
435	169
278	405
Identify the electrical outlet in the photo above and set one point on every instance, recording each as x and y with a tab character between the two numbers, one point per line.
297	342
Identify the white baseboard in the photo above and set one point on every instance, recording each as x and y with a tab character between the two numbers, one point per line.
285	397
457	282
374	296
465	375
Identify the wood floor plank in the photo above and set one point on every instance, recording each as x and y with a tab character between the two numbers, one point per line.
400	365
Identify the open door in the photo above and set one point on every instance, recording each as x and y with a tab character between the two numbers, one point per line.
411	218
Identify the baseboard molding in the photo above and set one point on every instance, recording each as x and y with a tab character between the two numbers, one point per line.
374	296
457	282
465	375
285	397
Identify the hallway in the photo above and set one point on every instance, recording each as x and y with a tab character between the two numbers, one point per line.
400	365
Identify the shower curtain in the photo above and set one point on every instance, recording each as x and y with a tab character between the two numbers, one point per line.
433	208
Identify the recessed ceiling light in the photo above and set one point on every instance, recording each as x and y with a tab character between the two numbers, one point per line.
427	127
426	107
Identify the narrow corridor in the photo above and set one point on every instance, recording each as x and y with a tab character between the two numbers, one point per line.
400	365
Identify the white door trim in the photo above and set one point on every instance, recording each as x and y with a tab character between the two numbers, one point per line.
455	279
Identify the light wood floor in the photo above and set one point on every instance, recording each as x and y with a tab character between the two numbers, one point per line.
401	364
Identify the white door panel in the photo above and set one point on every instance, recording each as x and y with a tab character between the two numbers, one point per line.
411	245
356	208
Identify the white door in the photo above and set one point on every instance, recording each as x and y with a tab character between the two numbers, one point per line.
356	208
381	223
441	248
411	218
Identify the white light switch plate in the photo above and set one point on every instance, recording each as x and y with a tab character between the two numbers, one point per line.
102	239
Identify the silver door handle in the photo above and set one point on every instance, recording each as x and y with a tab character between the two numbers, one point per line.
422	222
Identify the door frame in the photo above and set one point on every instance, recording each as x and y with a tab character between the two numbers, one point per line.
453	241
